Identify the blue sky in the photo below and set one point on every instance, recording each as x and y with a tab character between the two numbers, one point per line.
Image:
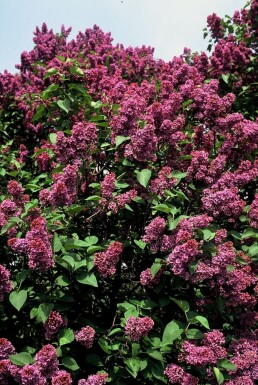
166	25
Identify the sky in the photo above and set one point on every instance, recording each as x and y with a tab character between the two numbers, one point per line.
166	25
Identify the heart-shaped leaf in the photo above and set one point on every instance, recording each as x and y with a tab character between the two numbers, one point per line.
18	299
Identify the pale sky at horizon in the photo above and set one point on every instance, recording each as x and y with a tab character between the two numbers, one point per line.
166	25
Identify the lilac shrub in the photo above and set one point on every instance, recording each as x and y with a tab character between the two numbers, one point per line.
128	211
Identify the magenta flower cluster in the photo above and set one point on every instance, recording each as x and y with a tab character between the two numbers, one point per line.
138	327
85	336
177	375
36	245
94	379
53	324
106	261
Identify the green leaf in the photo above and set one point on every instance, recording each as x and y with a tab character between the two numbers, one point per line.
50	72
218	375
235	234
162	207
92	240
69	259
61	58
79	264
94	359
22	275
155	268
43	312
97	118
93	249
249	233
140	244
52	137
143	177
104	345
157	371
203	321
56	243
208	235
184	305
33	312
181	195
221	303
194	334
121	139
21	359
253	250
226	364
136	348
70	363
39	113
78	87
18	299
62	280
48	91
93	198
12	222
133	366
143	364
125	306
155	354
132	312
66	336
226	77
178	174
172	331
87	279
120	185
74	209
230	268
128	208
76	71
187	102
114	331
172	223
64	104
75	244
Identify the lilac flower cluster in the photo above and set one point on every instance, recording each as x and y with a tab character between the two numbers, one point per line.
46	361
63	191
30	375
154	231
181	257
5	283
95	379
85	336
245	358
53	324
253	212
6	348
78	146
106	261
177	375
138	327
148	280
163	182
62	378
36	244
224	200
107	188
210	351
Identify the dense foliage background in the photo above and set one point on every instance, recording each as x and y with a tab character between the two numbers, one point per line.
129	211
